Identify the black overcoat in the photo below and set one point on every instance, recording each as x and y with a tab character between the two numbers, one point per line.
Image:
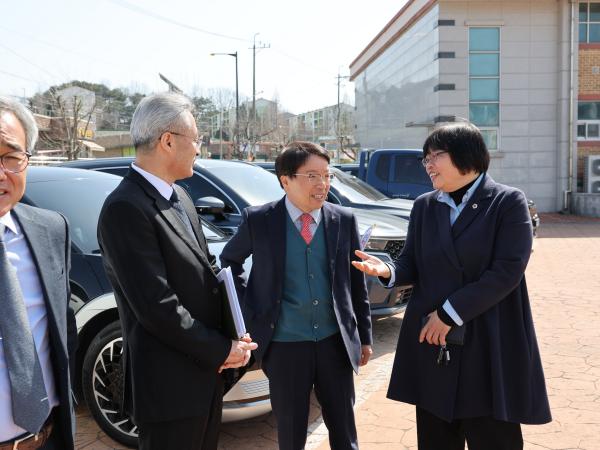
168	299
478	264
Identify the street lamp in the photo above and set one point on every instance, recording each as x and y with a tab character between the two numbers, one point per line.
237	97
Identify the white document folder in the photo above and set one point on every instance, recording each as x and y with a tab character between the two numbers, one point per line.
226	277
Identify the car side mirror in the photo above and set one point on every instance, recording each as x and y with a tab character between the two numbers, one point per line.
209	205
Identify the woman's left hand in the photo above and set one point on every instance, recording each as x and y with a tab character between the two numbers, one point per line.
434	331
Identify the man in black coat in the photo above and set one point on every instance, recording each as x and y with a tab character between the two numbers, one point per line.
167	293
37	325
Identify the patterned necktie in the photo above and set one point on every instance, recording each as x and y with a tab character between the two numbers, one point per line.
29	398
178	208
305	230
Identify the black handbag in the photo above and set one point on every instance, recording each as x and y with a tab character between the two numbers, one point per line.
456	335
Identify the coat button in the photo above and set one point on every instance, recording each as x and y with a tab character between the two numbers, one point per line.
311	276
315	302
215	291
272	325
315	326
474	206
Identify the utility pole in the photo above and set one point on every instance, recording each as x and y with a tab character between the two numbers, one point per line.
254	48
339	134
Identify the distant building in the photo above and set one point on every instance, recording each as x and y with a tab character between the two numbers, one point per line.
321	126
503	65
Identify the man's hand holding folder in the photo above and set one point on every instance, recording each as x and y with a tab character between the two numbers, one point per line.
233	324
239	354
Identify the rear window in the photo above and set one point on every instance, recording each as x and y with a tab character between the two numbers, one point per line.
383	167
410	170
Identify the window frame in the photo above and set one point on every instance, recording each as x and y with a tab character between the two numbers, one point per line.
495	129
587	23
586	123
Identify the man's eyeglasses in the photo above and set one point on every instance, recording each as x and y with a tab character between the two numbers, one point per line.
15	162
432	157
315	178
196	141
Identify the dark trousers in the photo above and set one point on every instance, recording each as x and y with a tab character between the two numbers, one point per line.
194	433
480	433
293	369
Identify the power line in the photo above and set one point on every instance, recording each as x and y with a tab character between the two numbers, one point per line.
137	9
30	62
20	77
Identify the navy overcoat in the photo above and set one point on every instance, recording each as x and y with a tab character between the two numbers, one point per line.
478	264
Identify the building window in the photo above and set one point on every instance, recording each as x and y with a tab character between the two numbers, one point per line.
589	22
484	82
588	121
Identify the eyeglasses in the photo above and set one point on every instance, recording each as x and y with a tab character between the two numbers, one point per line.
315	178
15	162
196	141
432	158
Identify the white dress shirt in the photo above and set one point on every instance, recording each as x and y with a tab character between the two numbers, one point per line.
295	214
21	259
164	188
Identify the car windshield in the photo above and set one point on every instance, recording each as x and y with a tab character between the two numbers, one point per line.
80	200
255	185
356	190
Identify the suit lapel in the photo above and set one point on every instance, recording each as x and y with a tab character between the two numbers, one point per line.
166	211
442	214
41	246
331	222
474	206
195	221
276	218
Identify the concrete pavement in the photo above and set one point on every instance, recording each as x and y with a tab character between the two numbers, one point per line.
564	286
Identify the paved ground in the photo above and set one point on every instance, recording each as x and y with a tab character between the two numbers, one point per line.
564	285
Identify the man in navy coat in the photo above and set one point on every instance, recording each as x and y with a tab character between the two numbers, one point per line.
303	303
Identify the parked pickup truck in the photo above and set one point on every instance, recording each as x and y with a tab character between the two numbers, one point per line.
397	173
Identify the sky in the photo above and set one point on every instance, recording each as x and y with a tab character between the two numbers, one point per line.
126	43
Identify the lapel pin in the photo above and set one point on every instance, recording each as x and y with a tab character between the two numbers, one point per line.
474	206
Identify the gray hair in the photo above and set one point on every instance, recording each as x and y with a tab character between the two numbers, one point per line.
157	114
24	116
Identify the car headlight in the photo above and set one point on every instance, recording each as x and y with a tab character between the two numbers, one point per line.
376	244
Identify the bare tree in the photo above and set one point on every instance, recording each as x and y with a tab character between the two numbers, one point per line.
70	123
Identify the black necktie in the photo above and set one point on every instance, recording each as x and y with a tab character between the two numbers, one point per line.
29	399
178	208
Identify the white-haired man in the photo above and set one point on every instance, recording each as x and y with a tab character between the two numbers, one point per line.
37	326
167	293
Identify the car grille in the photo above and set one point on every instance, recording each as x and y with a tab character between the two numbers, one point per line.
394	248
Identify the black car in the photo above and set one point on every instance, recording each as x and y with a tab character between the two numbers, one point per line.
222	189
79	196
347	190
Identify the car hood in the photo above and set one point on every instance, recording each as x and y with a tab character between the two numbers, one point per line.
399	203
386	225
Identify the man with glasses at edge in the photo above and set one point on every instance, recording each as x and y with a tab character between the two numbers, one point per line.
37	326
167	293
304	304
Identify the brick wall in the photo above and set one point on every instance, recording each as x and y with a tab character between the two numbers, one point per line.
589	72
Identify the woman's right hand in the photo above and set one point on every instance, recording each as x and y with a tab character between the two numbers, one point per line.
371	265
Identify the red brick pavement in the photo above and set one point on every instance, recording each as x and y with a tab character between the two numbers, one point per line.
564	285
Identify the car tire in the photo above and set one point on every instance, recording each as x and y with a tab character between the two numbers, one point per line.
102	384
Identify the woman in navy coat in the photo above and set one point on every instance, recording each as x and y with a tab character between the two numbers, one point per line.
467	248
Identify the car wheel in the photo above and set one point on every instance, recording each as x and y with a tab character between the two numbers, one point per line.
102	382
